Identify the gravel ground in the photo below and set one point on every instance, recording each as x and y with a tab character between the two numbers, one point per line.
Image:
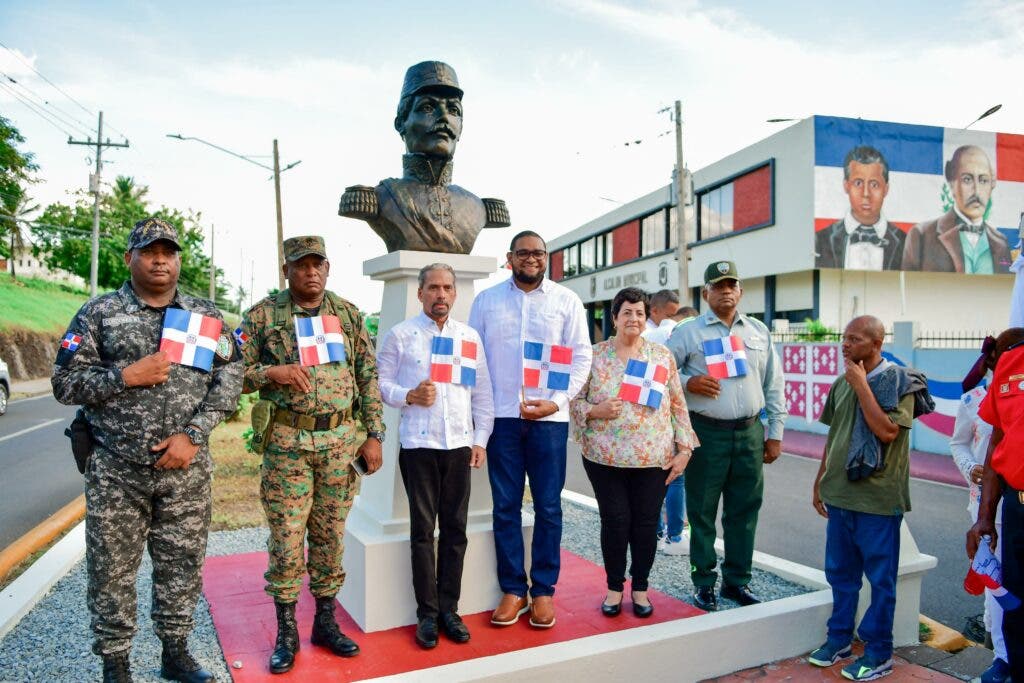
53	641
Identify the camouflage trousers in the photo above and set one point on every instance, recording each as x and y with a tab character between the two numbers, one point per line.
127	507
306	493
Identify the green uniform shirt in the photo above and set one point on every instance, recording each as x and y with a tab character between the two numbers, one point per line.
883	493
271	341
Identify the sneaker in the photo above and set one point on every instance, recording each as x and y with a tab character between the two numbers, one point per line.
676	546
829	653
865	669
661	541
998	672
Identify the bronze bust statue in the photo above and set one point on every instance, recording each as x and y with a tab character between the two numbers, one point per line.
422	210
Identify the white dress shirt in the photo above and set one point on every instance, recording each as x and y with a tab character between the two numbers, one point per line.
969	444
461	416
506	316
864	255
661	333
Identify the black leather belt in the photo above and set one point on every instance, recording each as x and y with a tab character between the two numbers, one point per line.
741	423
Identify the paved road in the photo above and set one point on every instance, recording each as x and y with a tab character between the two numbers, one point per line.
37	473
790	529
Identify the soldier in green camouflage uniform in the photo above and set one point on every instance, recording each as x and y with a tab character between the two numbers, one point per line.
324	417
148	480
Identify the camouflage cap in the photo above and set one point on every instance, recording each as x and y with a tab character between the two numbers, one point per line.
720	270
297	247
149	230
430	75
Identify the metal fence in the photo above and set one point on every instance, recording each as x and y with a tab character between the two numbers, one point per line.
963	339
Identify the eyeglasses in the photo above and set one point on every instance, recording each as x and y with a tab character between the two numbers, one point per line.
523	254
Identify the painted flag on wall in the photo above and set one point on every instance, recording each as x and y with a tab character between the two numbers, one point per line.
725	357
643	383
190	338
320	340
546	366
986	572
453	361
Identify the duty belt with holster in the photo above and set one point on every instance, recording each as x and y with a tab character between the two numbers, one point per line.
82	443
313	423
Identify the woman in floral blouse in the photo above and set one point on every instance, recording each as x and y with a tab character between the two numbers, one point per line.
633	446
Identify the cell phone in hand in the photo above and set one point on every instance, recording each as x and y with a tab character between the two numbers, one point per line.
360	466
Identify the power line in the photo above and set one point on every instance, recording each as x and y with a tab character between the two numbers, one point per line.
39	101
42	113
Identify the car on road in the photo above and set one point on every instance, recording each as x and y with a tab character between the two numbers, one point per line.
5	386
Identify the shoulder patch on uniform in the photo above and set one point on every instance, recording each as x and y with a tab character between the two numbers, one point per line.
224	347
67	348
240	337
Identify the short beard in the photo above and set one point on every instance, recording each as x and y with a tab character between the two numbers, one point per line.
529	279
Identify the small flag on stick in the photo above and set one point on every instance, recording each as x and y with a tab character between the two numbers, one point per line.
320	340
643	383
725	357
190	338
546	366
453	361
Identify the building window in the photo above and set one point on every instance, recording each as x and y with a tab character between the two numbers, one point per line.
653	233
609	255
739	202
588	260
572	259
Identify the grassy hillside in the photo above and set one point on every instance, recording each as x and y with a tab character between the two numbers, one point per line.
37	305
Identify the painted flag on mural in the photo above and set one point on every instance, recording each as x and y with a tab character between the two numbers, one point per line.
453	361
725	357
319	340
190	338
643	383
986	572
546	366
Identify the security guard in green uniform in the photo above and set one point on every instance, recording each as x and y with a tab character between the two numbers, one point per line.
725	412
315	417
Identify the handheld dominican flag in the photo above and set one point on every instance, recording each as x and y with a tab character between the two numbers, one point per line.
643	383
190	338
546	366
725	357
453	361
320	340
71	341
240	337
985	572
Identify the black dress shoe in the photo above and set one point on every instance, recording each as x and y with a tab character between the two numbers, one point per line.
426	633
704	598
454	628
741	595
643	611
611	610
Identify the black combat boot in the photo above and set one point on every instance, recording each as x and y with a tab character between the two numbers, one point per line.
287	643
177	664
327	633
116	668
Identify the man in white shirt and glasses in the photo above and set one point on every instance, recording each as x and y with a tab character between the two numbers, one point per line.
433	368
538	351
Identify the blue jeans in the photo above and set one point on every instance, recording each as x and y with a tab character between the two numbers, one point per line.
675	504
519	448
856	544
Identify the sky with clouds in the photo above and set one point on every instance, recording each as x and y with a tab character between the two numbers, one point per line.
554	90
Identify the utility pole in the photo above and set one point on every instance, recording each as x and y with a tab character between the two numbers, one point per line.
213	270
94	186
682	193
280	224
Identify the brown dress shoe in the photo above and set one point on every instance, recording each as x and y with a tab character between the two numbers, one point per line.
510	609
542	612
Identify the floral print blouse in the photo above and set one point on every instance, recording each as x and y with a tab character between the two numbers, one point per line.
640	436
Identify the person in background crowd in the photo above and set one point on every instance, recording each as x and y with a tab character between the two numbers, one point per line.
447	417
664	304
863	489
530	313
969	444
1003	477
630	442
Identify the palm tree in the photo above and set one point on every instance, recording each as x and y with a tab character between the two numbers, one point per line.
13	217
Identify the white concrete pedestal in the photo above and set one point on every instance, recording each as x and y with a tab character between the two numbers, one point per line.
378	586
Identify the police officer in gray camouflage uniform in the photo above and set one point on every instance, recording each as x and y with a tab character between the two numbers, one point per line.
148	480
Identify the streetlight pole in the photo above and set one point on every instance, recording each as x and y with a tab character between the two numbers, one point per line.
682	191
277	171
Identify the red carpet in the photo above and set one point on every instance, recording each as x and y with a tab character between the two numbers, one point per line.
244	617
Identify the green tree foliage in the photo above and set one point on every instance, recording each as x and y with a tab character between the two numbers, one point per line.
16	173
126	204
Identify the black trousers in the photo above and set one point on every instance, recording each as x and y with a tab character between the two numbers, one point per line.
437	483
629	500
1013	578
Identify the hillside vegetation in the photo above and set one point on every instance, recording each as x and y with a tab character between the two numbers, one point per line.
37	305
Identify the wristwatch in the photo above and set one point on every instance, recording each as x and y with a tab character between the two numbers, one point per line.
376	435
194	435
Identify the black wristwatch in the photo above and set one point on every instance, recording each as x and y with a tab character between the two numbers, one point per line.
194	435
376	435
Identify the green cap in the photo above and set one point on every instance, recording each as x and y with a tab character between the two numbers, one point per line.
149	230
297	247
431	75
720	270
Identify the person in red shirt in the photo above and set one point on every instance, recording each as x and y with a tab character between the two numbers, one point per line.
1003	408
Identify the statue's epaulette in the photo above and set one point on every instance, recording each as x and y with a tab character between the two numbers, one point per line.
359	201
497	213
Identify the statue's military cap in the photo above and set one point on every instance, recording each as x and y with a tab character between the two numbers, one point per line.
297	247
149	230
430	75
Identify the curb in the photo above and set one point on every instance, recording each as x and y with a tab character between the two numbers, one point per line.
943	637
42	534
